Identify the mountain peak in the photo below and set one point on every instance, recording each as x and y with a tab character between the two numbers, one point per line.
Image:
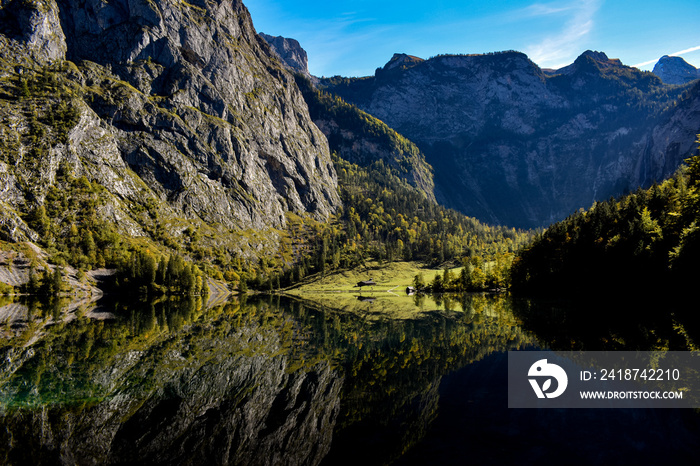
585	60
599	57
595	55
675	70
403	61
289	52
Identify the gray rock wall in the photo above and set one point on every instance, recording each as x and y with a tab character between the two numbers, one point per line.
179	104
510	145
290	52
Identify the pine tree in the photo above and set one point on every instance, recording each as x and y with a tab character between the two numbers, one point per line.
187	280
33	285
419	281
447	279
39	221
437	285
24	91
56	282
160	271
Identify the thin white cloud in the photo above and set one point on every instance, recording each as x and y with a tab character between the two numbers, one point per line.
691	49
330	43
674	54
544	9
553	51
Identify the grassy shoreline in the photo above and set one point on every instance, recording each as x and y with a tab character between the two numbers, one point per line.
387	299
395	276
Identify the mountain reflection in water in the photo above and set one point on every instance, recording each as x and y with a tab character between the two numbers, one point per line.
276	380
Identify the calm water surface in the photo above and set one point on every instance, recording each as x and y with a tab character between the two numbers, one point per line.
280	380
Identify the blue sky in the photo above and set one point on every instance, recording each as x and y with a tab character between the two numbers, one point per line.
353	38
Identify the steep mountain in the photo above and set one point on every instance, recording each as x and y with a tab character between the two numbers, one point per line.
362	139
510	144
178	110
675	70
353	134
289	52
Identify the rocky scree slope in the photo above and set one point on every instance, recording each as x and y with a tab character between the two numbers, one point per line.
512	145
175	108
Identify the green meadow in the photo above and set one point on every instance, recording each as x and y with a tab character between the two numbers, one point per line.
387	299
395	276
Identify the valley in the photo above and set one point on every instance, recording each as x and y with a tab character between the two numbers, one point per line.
187	214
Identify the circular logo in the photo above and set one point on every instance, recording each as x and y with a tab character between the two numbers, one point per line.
543	373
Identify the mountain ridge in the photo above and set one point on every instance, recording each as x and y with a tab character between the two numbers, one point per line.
511	144
352	134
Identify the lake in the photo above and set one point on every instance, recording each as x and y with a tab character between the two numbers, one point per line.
328	379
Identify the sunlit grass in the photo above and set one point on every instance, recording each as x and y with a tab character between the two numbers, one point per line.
395	276
388	298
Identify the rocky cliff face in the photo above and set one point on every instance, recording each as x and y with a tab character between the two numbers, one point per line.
30	32
172	104
675	70
514	146
289	52
362	139
352	134
401	61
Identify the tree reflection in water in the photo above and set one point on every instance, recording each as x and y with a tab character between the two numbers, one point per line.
274	380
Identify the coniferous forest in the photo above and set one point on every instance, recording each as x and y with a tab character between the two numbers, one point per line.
647	242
